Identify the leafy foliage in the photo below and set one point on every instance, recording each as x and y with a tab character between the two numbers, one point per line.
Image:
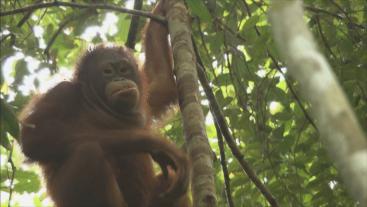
261	104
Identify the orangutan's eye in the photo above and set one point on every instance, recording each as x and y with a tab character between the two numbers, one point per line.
107	71
124	70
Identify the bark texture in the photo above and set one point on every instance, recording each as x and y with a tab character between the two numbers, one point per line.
203	187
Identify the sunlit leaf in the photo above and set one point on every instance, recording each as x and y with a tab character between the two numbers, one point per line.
26	182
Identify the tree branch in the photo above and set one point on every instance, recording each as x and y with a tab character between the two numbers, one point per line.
220	120
289	84
203	185
293	92
62	26
134	25
323	38
337	16
83	6
53	38
339	127
223	162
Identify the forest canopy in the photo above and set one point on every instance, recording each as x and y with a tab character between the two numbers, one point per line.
263	107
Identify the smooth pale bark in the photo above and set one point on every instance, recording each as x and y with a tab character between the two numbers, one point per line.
339	128
203	186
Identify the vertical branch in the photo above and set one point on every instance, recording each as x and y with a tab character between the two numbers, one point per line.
222	124
223	162
12	176
203	187
335	119
131	37
222	127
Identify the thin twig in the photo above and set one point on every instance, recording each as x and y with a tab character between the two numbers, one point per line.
61	27
11	35
293	92
289	84
26	16
337	16
53	38
324	39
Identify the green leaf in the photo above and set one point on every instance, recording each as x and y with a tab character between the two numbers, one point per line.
123	26
251	23
3	176
198	9
4	140
27	181
21	70
223	79
8	120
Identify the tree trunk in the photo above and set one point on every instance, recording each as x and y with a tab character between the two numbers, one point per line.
203	187
339	128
